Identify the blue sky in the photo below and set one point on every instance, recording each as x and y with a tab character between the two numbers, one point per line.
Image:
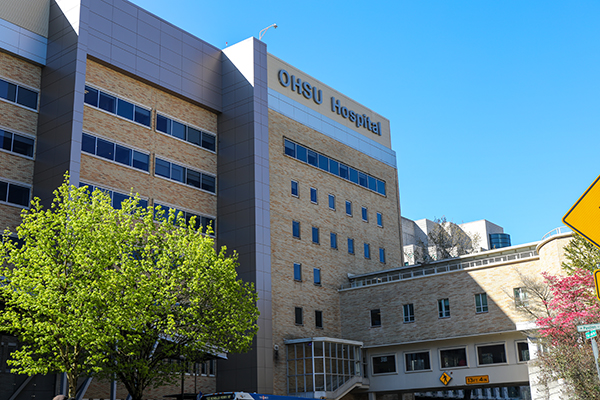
494	105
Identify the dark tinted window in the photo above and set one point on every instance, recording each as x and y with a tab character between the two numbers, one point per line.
123	155
88	143
162	168
140	160
178	173
163	124
142	116
3	190
8	90
105	149
18	195
5	140
194	136
125	109
91	96
107	102
27	98
178	130
384	364
23	145
298	315
194	179
376	317
209	183
209	141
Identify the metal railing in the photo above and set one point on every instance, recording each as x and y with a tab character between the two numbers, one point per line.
432	270
557	231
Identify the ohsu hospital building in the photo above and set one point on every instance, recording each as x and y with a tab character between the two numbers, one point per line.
295	176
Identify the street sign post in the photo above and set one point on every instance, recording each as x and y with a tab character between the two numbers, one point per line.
589	327
584	216
591	334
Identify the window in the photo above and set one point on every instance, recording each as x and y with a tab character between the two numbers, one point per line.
14	193
118	106
365	215
444	308
116	197
296	229
298	315
382	255
187	176
114	152
520	297
317	276
367	249
182	131
332	202
16	143
417	361
350	246
348	208
333	240
313	195
453	358
16	93
315	235
384	364
409	313
481	305
492	354
318	319
523	351
336	168
379	220
297	272
201	221
294	188
376	317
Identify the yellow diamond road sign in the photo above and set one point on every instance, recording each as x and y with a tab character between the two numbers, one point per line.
584	216
445	378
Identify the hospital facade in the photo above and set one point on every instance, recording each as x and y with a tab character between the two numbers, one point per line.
299	179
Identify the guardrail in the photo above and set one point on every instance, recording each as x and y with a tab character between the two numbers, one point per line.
557	231
432	270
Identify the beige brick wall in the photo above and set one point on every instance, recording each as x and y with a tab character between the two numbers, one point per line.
334	264
16	119
459	287
111	127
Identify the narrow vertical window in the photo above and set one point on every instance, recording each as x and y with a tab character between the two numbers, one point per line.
332	202
376	317
350	246
444	308
298	315
520	297
481	304
333	240
348	208
319	319
379	220
294	188
313	195
409	313
367	248
365	215
297	272
317	276
382	255
296	229
315	235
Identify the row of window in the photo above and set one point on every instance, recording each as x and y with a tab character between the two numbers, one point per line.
142	115
136	159
449	358
334	167
14	193
115	152
299	317
408	310
298	274
333	242
16	143
117	199
18	94
314	198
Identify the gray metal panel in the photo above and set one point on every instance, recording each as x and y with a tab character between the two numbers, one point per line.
243	206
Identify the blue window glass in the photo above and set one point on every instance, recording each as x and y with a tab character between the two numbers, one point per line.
140	160
91	96
297	272
194	136
332	202
194	179
334	167
117	199
317	276
301	153
333	240
107	102
348	207
353	175
209	183
22	145
381	187
177	173
367	248
379	219
3	191
8	90
123	155
365	214
143	203
323	163
372	183
350	246
296	229
88	144
5	140
313	195
382	255
312	158
162	168
18	194
209	141
142	116
290	148
178	130
343	171
315	235
163	124
27	98
124	109
294	188
362	179
105	149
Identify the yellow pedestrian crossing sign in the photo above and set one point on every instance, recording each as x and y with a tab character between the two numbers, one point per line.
445	378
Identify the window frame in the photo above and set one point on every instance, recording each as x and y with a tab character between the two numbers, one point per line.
186	175
116	108
318	316
314	195
117	146
348	208
299	315
364	213
520	297
466	353
316	235
331	200
395	364
481	309
375	318
519	361
294	187
19	85
317	274
351	246
444	308
333	240
297	272
187	127
406	364
382	255
296	224
367	251
379	219
14	133
10	183
481	345
411	315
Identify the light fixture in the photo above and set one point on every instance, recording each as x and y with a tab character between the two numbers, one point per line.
262	33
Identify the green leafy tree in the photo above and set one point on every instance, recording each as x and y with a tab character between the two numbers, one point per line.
94	291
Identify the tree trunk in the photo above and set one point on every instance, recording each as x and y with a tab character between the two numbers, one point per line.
72	378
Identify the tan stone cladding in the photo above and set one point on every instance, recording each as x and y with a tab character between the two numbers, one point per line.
20	71
334	264
460	287
147	140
